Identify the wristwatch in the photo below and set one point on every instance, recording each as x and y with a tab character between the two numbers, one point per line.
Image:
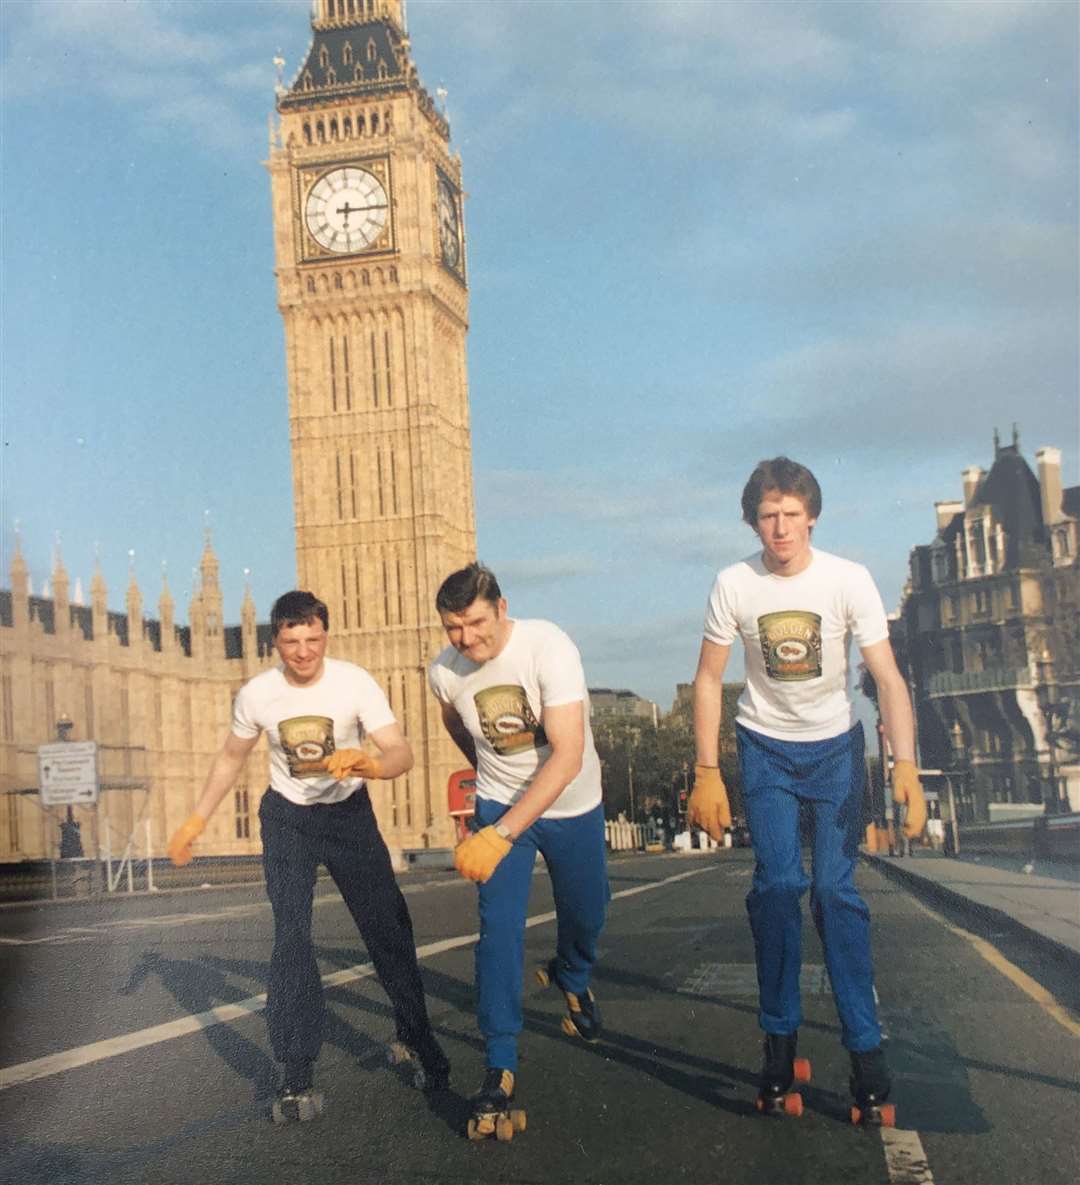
503	832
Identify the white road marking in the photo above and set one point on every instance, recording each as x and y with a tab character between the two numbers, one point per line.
905	1158
84	1055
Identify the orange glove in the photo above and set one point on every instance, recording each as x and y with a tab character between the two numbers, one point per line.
907	788
186	835
708	806
478	855
352	763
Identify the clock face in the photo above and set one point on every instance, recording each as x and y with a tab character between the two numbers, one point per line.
449	231
346	210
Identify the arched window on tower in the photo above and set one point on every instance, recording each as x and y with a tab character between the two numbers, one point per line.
333	124
320	132
307	133
372	51
324	56
374	122
346	53
346	127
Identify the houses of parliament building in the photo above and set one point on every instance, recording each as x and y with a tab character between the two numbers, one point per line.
372	287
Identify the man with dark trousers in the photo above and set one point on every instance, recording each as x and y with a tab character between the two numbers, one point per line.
795	609
315	712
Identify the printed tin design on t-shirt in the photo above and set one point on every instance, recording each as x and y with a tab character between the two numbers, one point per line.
791	644
507	721
307	741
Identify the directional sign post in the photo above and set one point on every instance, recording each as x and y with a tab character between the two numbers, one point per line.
68	773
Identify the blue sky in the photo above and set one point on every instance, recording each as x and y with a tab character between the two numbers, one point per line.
699	234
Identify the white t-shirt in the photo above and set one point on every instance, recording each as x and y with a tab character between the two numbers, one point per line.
501	702
796	631
305	724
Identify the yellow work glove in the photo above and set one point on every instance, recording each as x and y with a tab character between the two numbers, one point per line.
708	806
478	855
908	789
352	763
188	832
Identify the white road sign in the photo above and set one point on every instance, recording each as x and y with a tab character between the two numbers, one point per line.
67	773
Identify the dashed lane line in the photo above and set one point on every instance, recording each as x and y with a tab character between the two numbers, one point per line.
905	1158
84	1055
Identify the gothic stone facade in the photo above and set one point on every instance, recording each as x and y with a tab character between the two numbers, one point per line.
990	621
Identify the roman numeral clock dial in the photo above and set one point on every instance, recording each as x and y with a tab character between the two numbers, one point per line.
346	210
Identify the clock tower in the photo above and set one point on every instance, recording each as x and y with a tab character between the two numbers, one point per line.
372	287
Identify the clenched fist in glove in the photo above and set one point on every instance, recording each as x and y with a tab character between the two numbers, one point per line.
908	789
352	763
478	855
188	832
708	806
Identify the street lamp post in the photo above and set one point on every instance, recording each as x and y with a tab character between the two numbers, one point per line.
70	830
956	745
1055	712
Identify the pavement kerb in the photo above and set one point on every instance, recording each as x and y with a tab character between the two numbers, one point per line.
935	892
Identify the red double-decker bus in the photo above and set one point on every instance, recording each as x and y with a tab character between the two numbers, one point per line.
461	793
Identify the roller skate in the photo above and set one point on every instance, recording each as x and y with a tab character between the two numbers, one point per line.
422	1062
779	1069
583	1013
870	1084
492	1114
297	1101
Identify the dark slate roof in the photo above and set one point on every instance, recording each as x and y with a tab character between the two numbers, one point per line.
42	609
1070	501
1011	490
82	617
119	626
234	641
6	617
386	68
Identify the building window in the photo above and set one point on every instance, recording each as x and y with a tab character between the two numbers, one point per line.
14	838
243	815
7	709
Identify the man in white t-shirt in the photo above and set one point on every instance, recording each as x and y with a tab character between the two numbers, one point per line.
515	702
315	712
795	609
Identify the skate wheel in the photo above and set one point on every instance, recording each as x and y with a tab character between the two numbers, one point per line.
504	1129
759	1102
396	1053
856	1116
278	1115
793	1104
542	977
888	1115
517	1118
419	1078
309	1108
472	1130
801	1067
568	1027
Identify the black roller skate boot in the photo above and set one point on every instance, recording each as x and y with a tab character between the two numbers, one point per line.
582	1018
297	1100
423	1061
492	1114
870	1084
779	1069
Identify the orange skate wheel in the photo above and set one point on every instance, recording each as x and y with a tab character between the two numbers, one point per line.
801	1067
888	1115
542	977
517	1118
473	1131
504	1129
759	1102
793	1104
856	1116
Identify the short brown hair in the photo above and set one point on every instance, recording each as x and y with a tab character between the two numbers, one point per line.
458	591
297	608
782	476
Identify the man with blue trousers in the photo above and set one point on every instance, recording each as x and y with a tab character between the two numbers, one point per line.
514	700
796	609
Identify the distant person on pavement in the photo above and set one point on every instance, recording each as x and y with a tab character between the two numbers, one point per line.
315	712
795	609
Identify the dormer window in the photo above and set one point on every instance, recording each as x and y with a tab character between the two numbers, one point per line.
324	57
346	53
372	51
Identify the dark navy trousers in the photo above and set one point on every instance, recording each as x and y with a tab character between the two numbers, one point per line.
830	776
344	837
